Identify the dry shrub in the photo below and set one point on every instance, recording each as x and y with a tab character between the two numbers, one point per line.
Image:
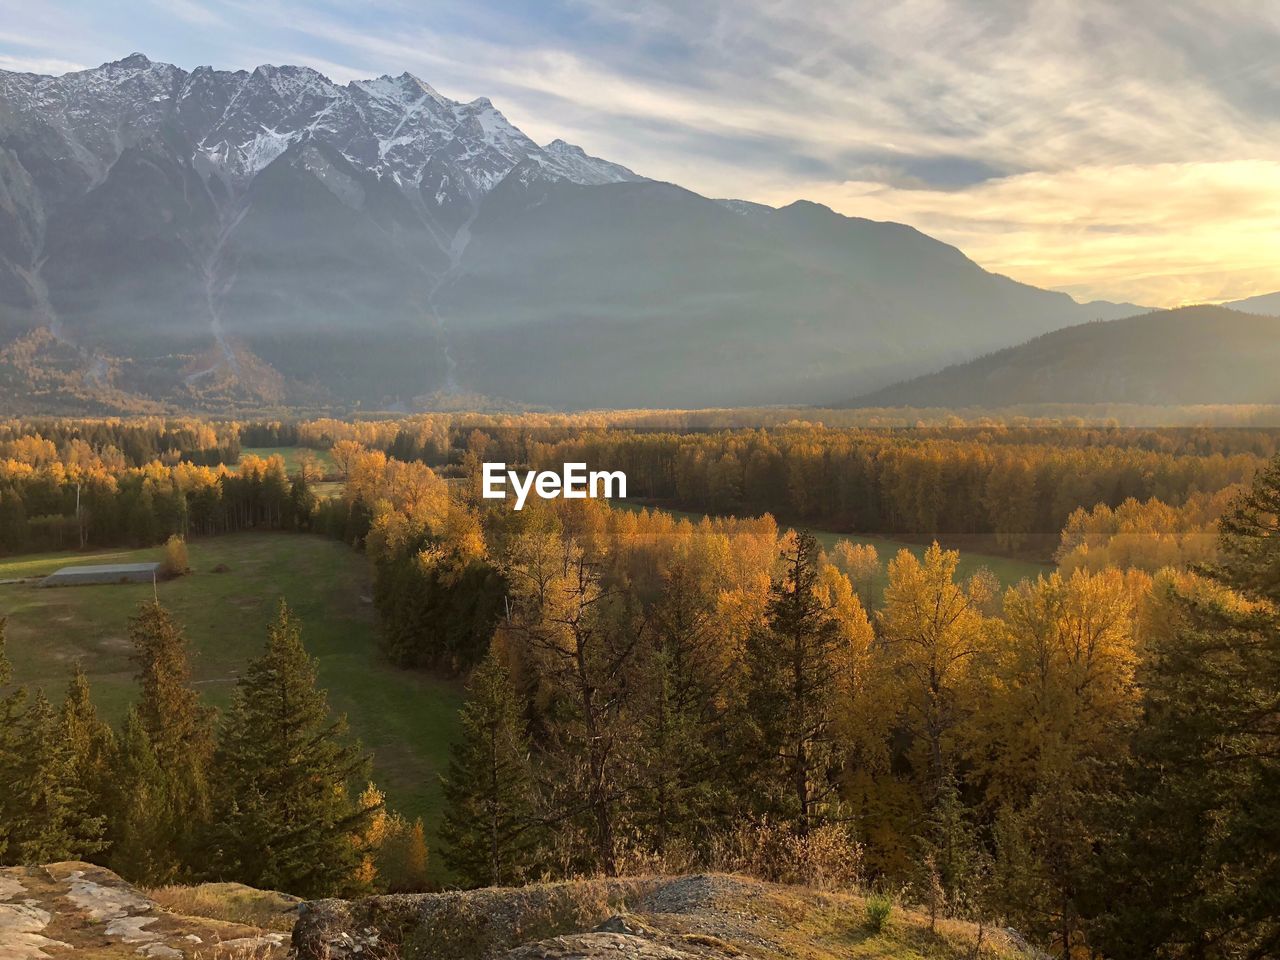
826	858
565	909
677	859
260	951
230	902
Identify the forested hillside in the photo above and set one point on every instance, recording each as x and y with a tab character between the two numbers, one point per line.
1195	355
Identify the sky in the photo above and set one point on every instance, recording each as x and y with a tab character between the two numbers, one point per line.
1114	149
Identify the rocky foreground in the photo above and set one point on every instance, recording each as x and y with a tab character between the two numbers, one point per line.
663	918
76	909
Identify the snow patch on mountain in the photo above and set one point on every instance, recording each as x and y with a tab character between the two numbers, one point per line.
573	163
240	122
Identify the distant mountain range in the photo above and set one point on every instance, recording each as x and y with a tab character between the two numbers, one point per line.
213	238
1267	304
1193	355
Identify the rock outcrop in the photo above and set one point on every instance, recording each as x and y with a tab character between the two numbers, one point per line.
67	910
657	918
77	909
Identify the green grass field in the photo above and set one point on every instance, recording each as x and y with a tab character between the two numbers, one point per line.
1006	569
407	719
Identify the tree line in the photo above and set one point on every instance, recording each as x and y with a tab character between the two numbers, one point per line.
100	483
136	440
76	502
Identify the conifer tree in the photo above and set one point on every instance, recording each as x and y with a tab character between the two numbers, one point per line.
285	818
89	738
10	752
682	788
179	727
951	849
796	662
54	815
178	724
145	822
489	819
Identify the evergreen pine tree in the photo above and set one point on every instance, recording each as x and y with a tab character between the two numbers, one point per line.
55	819
795	662
90	740
683	788
285	818
178	725
12	758
489	818
144	820
951	849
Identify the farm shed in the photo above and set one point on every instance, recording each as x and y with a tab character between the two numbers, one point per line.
102	573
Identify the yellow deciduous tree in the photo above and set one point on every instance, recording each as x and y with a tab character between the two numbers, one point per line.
1061	699
932	630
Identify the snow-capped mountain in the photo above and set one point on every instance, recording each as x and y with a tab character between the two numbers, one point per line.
238	123
209	236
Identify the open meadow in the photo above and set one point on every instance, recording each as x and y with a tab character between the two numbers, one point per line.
406	718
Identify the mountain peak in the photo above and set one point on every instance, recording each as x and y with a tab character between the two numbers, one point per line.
563	146
406	84
411	82
809	207
570	162
288	70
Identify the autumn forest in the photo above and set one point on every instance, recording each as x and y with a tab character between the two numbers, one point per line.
693	680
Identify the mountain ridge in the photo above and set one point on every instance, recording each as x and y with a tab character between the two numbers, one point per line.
1267	304
1190	355
377	243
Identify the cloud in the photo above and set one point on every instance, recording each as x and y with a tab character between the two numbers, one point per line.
191	11
1155	234
40	65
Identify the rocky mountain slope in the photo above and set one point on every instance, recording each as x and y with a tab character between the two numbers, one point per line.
208	237
1193	355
